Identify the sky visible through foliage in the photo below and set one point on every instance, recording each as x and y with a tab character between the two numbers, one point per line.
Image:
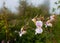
12	5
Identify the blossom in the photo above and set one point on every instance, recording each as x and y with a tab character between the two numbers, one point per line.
39	23
48	24
21	33
52	17
38	30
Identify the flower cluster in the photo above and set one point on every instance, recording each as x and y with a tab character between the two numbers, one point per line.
48	22
39	24
39	29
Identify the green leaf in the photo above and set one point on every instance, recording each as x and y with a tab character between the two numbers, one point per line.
56	3
58	6
53	9
59	1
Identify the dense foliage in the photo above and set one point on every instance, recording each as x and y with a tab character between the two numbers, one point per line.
10	23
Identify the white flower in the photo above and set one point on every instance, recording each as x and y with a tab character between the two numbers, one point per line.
49	24
39	24
38	30
21	33
52	17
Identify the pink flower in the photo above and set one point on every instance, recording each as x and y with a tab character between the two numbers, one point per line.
52	17
48	24
38	30
39	23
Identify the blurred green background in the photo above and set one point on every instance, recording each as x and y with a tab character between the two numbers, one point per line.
11	22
